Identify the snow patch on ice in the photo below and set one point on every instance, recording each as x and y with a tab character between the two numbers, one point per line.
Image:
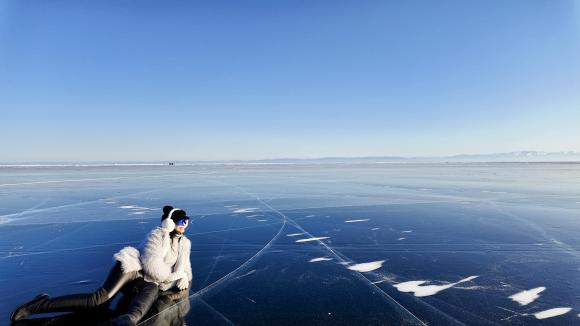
312	239
401	238
383	280
4	220
295	234
357	221
374	229
407	231
246	210
314	260
244	275
311	215
552	312
82	282
135	207
527	296
420	290
474	287
137	213
367	267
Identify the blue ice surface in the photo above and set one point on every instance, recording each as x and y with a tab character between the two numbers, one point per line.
515	226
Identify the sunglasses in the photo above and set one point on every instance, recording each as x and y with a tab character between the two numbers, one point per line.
182	222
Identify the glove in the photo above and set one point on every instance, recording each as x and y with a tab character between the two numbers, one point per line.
182	283
176	276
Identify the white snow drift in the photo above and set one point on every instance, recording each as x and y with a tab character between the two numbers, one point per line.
367	267
420	290
527	296
312	239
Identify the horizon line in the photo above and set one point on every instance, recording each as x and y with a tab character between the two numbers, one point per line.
280	160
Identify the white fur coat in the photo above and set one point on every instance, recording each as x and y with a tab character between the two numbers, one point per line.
150	259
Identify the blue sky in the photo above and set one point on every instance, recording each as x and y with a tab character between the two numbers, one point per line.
157	80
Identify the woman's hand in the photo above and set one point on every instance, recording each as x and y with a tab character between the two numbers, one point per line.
176	276
182	283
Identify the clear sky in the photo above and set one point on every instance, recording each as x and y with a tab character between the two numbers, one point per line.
168	80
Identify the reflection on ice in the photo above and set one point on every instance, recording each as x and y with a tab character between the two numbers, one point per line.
357	221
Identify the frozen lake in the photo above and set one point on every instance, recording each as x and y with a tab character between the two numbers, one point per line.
369	244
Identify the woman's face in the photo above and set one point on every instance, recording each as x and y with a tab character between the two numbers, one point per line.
181	226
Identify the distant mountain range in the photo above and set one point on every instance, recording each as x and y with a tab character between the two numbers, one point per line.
521	156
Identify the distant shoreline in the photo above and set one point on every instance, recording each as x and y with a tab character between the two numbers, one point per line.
508	157
178	164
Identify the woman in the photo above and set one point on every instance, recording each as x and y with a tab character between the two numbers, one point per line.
162	263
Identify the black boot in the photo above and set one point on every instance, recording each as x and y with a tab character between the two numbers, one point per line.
77	302
28	308
66	303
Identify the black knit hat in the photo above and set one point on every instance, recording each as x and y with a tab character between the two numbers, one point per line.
176	214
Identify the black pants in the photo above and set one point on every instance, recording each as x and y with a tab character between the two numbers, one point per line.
138	306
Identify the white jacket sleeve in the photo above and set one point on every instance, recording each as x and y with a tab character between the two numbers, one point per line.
186	259
153	252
